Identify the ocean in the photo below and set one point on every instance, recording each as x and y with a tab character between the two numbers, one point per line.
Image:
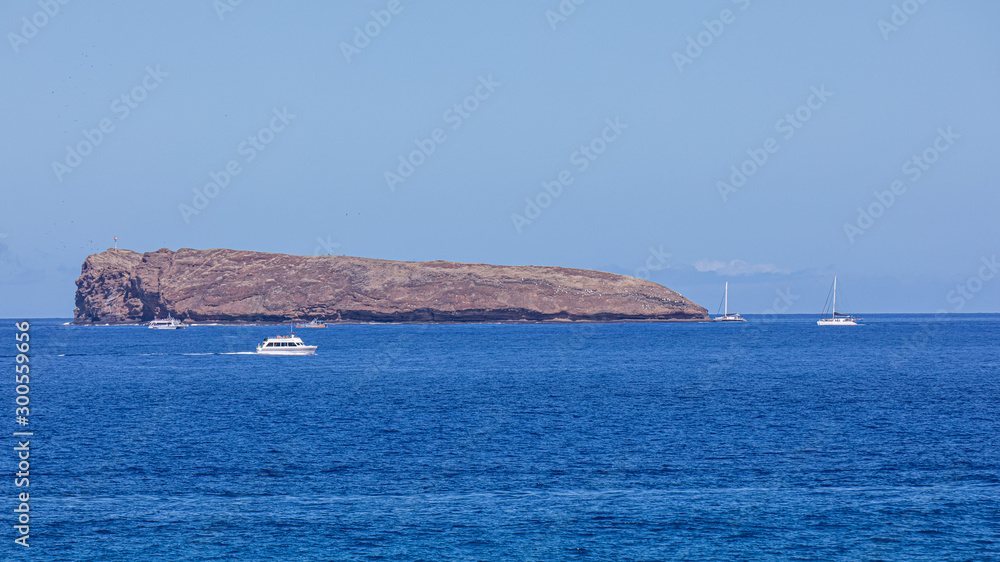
773	439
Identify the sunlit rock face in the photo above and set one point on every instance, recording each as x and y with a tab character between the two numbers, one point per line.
121	286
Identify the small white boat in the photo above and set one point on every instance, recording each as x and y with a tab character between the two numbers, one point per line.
166	324
726	317
837	319
285	345
315	323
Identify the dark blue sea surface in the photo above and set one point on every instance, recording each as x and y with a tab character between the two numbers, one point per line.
774	439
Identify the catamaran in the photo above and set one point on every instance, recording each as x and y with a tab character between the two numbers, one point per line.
837	319
726	317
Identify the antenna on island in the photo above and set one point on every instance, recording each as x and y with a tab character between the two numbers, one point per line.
116	243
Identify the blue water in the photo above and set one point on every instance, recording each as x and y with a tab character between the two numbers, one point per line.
774	439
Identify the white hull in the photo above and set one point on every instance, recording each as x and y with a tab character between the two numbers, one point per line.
168	324
301	350
285	345
836	322
729	318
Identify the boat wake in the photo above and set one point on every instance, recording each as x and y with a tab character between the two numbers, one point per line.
151	354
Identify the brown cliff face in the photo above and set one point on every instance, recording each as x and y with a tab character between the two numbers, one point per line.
121	286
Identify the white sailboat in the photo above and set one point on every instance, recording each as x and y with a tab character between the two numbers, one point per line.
726	317
837	319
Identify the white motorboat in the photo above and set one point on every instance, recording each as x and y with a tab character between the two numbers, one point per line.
168	323
315	323
837	319
285	345
726	317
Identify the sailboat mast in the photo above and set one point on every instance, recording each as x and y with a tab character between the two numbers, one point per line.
726	308
834	296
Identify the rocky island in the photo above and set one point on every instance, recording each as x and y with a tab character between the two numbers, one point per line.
232	286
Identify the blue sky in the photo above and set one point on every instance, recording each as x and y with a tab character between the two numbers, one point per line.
697	142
